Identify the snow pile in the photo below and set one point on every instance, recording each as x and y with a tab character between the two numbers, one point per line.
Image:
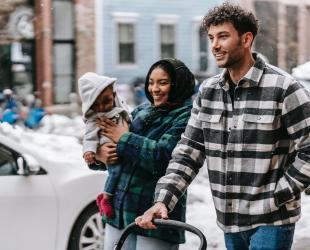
63	149
62	125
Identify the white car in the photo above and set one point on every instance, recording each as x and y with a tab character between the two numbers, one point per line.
47	193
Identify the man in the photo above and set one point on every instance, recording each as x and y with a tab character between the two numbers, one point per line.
251	126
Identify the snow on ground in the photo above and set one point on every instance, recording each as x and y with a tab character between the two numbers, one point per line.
201	213
62	125
200	209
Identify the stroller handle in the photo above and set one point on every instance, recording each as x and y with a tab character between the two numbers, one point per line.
164	224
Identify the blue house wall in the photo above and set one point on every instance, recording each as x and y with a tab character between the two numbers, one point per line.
147	13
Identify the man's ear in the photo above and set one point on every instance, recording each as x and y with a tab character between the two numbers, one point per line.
247	39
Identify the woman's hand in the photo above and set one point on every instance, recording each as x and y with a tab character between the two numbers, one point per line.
111	130
107	153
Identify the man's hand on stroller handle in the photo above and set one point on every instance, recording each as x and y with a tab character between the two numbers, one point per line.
157	211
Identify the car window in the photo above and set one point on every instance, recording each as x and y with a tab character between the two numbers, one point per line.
7	162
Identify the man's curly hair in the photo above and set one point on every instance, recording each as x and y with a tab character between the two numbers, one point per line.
242	20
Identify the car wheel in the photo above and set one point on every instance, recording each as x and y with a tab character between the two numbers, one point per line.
88	231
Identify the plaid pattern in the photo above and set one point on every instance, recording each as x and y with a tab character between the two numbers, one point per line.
257	154
145	152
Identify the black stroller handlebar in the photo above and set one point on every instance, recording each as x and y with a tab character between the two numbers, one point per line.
165	224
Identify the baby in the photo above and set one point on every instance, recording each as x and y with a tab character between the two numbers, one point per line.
100	99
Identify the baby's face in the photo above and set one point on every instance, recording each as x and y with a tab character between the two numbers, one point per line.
105	101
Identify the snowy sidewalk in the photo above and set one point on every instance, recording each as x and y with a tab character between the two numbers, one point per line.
302	244
201	213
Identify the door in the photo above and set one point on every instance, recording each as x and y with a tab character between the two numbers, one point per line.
28	207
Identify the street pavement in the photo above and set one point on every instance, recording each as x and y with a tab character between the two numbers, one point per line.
302	244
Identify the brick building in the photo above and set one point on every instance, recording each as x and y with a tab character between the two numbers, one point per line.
50	43
45	45
284	34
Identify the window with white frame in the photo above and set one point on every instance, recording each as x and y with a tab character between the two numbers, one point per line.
126	43
167	40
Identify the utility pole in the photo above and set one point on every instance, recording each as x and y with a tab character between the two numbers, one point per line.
43	50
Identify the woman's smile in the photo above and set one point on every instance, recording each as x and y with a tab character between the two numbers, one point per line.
159	86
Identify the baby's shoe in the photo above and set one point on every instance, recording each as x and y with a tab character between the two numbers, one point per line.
98	202
98	165
105	206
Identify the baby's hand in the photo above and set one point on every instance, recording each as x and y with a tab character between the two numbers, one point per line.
89	157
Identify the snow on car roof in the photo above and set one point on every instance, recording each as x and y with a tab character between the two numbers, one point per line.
302	71
50	147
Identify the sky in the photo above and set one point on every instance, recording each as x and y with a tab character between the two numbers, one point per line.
62	132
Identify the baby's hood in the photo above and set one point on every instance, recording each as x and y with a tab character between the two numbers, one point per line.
90	87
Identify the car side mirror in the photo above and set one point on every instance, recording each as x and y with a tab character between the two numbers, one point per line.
27	165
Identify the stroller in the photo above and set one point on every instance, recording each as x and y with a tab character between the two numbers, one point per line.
164	223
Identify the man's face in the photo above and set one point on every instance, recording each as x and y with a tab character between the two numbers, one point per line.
226	45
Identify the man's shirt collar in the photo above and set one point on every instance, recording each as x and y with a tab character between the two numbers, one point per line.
252	77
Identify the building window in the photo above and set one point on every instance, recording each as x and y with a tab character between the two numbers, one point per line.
5	67
167	40
63	50
17	66
17	50
126	43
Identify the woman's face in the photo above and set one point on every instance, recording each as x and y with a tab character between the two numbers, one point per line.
159	86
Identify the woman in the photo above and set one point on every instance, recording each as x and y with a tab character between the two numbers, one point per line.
144	152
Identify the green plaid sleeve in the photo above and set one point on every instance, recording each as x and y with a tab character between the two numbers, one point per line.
153	155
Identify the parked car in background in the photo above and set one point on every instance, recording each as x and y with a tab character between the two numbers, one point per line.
302	73
47	193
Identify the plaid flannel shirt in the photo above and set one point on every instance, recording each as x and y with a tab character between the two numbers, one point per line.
145	152
257	153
